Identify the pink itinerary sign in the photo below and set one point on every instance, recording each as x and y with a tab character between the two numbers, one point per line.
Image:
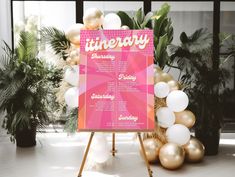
116	80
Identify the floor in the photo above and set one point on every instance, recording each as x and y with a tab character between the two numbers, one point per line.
60	155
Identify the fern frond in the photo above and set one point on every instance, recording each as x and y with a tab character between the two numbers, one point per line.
9	90
27	48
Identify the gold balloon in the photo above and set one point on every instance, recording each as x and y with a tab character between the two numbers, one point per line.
157	78
93	19
68	59
152	147
161	77
73	33
194	150
171	156
174	85
166	77
186	118
157	69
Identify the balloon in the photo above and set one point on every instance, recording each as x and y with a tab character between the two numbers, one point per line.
161	89
99	142
72	75
171	156
165	117
186	118
178	134
174	85
160	76
124	27
74	53
194	150
71	97
99	148
166	77
157	77
157	69
112	21
152	147
93	19
177	101
73	33
101	156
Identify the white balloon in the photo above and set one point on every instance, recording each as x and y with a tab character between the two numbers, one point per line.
112	21
161	89
99	142
124	27
101	156
177	101
178	134
71	97
99	148
71	75
165	117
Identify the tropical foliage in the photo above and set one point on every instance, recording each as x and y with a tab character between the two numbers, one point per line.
57	40
162	29
23	85
61	47
202	80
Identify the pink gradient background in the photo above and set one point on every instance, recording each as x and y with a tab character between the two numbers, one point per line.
139	102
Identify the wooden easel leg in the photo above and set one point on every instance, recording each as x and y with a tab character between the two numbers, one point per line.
113	145
145	157
85	155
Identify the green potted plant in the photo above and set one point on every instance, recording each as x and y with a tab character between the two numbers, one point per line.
203	82
23	90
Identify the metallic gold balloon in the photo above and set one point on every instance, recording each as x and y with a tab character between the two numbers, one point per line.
174	85
93	19
194	150
166	77
73	33
171	156
152	147
185	117
157	77
157	69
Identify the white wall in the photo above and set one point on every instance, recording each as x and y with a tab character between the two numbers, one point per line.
5	23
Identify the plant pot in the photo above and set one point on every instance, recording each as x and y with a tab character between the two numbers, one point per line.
210	139
26	137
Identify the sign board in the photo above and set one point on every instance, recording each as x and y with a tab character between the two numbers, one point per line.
116	80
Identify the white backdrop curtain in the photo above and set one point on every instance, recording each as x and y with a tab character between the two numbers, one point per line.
5	23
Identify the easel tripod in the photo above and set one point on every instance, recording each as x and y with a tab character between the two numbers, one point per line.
113	152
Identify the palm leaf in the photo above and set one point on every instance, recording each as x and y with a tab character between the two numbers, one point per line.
27	47
57	39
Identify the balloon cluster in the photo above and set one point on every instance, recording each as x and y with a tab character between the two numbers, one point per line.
93	19
173	144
